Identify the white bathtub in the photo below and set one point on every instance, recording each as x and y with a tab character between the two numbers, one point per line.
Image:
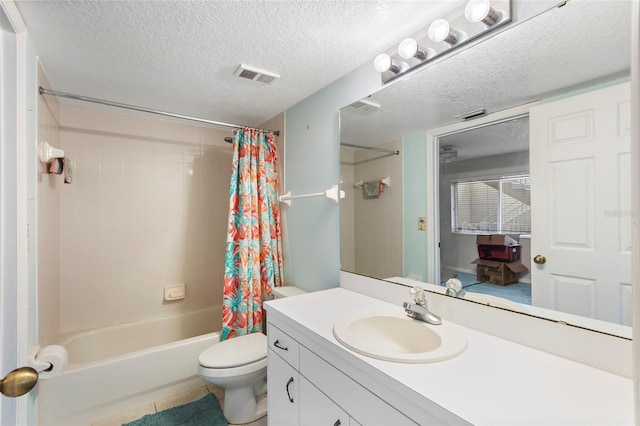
116	369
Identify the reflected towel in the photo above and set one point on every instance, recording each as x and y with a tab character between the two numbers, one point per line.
373	188
67	167
55	166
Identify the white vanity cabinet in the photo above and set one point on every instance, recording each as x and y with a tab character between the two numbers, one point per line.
494	381
304	389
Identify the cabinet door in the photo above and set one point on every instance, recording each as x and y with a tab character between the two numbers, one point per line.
317	409
282	390
360	403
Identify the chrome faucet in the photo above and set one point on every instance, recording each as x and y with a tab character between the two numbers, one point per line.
418	309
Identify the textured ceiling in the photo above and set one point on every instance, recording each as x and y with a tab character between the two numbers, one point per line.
583	43
180	56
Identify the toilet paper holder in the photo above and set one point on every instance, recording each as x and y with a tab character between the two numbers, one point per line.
48	361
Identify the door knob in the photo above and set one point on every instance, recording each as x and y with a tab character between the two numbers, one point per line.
18	382
539	259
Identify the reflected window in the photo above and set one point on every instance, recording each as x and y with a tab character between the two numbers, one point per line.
501	205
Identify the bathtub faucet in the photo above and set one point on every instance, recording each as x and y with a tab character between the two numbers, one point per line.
418	310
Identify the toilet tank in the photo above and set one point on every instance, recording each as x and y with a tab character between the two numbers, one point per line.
286	291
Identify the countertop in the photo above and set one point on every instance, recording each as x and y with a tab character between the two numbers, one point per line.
494	382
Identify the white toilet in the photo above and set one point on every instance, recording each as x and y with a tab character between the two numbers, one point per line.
239	365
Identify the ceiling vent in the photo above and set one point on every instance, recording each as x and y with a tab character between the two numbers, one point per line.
472	114
365	105
256	74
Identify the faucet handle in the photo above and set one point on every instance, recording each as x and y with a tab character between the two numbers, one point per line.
455	284
418	296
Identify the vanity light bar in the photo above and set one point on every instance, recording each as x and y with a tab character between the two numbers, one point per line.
476	19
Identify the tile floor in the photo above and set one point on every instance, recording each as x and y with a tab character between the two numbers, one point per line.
171	402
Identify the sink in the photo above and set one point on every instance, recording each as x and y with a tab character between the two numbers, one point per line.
399	338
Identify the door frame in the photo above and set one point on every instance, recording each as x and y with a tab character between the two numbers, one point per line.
635	198
433	177
21	317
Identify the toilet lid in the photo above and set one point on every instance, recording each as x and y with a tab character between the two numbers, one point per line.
235	352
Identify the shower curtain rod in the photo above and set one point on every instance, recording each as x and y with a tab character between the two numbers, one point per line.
44	91
371	148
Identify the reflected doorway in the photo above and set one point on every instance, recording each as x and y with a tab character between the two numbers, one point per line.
484	188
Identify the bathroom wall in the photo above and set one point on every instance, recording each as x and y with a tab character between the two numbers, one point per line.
414	154
313	157
371	228
48	232
378	220
347	210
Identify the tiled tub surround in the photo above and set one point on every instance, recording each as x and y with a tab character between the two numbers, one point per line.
495	381
147	208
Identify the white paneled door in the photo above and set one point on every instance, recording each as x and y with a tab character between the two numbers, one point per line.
581	204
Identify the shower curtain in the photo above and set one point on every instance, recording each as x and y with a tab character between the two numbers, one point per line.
253	260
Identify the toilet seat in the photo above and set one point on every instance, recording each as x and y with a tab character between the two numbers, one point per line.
232	371
236	352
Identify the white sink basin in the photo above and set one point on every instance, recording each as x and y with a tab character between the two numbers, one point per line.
399	338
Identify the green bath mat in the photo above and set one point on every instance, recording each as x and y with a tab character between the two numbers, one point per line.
205	411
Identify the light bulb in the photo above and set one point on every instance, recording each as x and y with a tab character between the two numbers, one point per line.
408	49
383	63
440	30
481	11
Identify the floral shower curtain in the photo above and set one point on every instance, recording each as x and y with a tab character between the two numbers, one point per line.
253	261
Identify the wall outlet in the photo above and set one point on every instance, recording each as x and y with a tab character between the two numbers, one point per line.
422	223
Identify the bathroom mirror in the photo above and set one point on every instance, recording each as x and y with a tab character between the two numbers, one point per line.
561	53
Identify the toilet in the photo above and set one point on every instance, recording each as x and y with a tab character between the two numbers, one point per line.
239	365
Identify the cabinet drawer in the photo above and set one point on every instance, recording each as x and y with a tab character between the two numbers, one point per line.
361	404
282	344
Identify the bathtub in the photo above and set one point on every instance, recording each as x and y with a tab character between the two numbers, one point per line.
119	368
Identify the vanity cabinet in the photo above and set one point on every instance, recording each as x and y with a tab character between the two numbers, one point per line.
304	389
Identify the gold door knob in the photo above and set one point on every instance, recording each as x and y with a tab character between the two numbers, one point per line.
18	382
539	259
